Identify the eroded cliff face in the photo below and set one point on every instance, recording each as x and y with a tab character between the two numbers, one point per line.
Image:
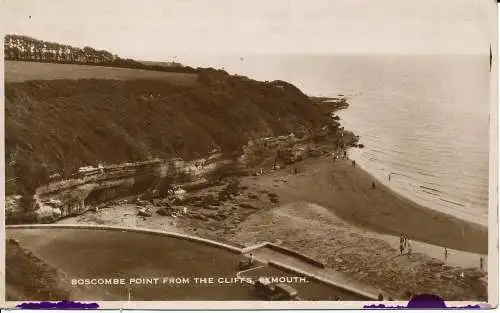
74	196
97	186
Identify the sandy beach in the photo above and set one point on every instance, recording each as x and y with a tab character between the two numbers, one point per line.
330	211
347	191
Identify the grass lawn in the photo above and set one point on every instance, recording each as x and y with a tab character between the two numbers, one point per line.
19	71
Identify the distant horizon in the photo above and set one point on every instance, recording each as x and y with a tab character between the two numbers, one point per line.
167	30
297	54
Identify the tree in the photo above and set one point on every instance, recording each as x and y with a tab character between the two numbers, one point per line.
18	47
29	179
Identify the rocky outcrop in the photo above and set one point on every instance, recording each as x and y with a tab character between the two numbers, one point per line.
70	197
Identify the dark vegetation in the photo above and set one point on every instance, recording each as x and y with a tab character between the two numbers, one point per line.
29	278
57	126
24	48
33	175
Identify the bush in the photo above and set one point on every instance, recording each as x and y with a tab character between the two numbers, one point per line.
29	177
165	185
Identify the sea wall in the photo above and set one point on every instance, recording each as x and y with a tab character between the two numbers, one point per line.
209	242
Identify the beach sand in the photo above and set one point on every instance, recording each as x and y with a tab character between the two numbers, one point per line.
330	211
347	191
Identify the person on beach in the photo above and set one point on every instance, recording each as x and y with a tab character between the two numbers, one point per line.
401	243
481	263
445	254
251	258
353	163
410	248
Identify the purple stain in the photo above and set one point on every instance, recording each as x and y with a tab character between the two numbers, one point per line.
382	306
426	301
61	305
422	301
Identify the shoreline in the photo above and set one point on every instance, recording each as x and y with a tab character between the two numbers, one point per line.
409	199
437	214
407	196
399	214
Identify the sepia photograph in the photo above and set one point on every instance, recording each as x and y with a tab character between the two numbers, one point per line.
329	152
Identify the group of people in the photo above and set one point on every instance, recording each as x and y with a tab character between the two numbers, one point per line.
405	244
340	155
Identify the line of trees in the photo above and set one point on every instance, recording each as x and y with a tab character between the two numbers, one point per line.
24	48
30	49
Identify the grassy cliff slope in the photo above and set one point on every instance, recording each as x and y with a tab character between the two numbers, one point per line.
59	125
24	269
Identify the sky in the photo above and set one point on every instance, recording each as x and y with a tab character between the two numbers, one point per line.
166	30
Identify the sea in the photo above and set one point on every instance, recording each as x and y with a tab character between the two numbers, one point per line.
423	119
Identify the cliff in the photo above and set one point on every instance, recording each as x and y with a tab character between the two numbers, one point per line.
56	126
